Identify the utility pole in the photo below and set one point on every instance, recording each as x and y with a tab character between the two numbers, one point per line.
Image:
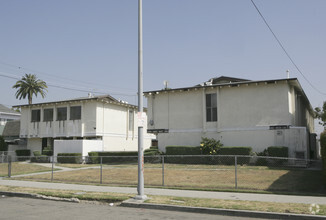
140	188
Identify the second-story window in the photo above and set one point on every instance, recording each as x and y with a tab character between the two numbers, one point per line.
211	107
75	112
36	115
62	114
48	114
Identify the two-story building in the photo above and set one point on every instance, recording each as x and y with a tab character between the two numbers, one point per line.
99	123
237	112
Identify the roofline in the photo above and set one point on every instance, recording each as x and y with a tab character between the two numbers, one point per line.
221	84
296	84
96	98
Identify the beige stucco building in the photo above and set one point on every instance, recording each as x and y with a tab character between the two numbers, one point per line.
99	123
237	112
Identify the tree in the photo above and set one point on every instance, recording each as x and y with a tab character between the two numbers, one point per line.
321	114
28	86
3	144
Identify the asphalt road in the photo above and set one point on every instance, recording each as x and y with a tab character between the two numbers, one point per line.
36	209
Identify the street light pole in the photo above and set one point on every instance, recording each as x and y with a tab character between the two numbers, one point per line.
140	188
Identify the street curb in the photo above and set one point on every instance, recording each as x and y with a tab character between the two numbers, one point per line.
36	196
132	203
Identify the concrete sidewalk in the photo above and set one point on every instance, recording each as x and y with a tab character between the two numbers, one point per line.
172	192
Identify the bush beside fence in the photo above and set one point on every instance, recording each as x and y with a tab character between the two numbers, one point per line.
246	151
113	157
23	154
70	158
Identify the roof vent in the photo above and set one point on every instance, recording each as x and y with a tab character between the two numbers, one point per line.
90	95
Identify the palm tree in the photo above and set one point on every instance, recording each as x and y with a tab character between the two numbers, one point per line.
28	86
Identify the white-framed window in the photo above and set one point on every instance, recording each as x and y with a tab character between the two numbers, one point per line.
211	107
75	112
48	114
36	115
62	114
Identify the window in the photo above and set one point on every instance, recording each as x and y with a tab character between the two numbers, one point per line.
75	113
48	114
131	120
36	115
61	114
211	107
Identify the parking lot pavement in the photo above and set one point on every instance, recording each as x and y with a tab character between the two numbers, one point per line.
25	208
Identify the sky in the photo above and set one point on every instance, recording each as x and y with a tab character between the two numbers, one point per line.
81	46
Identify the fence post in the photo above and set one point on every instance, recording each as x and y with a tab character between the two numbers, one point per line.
162	170
9	165
236	172
52	168
101	171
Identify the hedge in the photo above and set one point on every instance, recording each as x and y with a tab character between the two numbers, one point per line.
38	158
23	154
246	151
69	158
183	150
113	157
278	151
323	152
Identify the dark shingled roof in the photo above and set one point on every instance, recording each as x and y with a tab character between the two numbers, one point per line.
4	109
12	129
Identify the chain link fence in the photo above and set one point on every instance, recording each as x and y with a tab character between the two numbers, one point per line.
245	173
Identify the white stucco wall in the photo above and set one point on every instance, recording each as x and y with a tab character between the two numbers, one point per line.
245	114
76	146
99	120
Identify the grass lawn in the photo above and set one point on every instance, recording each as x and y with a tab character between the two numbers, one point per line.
18	168
194	202
201	177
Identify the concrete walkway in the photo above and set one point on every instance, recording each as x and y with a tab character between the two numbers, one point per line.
171	192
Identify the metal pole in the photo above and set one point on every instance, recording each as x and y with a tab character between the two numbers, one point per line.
52	168
140	187
101	171
236	172
9	165
162	170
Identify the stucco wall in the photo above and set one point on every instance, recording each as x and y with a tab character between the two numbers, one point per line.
76	146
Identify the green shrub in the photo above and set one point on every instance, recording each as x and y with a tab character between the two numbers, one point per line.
113	157
48	152
246	151
278	151
38	158
210	146
261	161
36	153
69	158
182	150
323	152
154	148
23	154
3	144
152	155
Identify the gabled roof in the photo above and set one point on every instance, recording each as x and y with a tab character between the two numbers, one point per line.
4	109
102	98
11	129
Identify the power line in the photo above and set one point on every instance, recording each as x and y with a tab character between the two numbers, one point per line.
283	48
56	77
70	88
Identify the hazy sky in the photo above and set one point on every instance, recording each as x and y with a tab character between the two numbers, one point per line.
92	45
